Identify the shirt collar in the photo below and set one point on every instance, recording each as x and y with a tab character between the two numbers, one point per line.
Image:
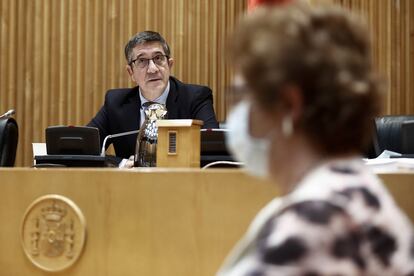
162	99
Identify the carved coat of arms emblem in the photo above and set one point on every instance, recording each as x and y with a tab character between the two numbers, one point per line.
53	232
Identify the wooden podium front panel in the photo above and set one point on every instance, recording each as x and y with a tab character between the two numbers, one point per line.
139	222
147	221
401	186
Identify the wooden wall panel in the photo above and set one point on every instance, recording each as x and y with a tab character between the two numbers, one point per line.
58	57
392	28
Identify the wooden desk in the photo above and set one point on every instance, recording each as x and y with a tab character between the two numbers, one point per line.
146	221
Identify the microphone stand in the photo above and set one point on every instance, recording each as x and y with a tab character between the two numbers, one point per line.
8	114
114	136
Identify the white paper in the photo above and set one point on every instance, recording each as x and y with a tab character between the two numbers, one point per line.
39	149
385	164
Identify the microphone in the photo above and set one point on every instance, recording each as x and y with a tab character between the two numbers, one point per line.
8	114
114	136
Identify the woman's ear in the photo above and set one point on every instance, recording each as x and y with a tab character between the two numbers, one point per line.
292	97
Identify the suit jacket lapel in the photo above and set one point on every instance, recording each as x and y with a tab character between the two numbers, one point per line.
172	106
132	110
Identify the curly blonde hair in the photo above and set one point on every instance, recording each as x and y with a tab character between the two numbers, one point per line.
325	52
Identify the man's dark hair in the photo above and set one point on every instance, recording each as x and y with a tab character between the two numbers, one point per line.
144	37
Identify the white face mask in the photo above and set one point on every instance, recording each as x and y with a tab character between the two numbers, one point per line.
253	152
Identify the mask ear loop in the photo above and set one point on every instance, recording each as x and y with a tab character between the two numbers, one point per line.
287	126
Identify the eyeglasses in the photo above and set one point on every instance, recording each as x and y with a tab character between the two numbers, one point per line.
142	63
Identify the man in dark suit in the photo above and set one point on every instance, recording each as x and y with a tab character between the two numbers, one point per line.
149	66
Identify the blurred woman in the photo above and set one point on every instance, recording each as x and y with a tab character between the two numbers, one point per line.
312	97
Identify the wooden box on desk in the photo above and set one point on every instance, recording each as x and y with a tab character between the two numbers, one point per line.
178	143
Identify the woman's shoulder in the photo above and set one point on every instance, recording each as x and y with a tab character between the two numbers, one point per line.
339	220
354	224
